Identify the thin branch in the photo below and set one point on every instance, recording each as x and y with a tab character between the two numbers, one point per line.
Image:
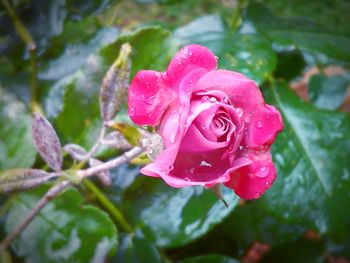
56	189
52	193
126	157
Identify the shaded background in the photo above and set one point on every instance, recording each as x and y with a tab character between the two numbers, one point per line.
297	51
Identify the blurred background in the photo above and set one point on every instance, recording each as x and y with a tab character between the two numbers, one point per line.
53	56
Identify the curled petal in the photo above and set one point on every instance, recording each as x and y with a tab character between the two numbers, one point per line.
148	97
189	58
251	181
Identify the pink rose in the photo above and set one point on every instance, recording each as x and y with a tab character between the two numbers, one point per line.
215	125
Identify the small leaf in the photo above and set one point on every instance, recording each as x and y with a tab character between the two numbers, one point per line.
115	84
22	179
104	176
130	133
75	151
46	142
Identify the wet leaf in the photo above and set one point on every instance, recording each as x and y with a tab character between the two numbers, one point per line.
172	217
22	179
115	84
136	249
64	231
311	156
249	54
328	92
300	32
16	144
47	142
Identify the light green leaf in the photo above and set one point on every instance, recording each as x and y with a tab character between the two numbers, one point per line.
16	145
64	231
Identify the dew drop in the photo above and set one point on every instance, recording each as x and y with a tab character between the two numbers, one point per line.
259	125
171	167
172	137
257	195
212	100
263	172
204	163
239	112
225	100
132	112
205	98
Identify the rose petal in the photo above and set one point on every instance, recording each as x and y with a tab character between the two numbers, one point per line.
188	58
262	121
148	97
264	126
251	181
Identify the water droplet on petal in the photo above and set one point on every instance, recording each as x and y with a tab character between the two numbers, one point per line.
171	167
248	117
225	100
257	195
239	112
259	125
132	112
263	172
205	98
212	100
204	163
172	137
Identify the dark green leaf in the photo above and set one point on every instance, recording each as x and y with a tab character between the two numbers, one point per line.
172	217
328	92
64	231
16	145
300	33
209	259
290	64
311	155
249	54
136	249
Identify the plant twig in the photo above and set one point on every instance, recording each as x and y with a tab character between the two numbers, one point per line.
56	189
126	157
52	193
27	38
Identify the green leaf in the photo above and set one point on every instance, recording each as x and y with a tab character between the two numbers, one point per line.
149	49
172	217
300	33
64	231
75	55
248	223
328	92
136	249
249	54
209	259
290	64
16	145
311	156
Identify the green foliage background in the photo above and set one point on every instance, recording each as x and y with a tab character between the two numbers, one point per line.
304	217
